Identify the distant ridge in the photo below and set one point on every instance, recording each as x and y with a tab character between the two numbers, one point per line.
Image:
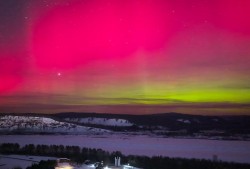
166	124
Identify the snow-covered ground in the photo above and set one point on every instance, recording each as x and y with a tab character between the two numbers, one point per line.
43	124
23	161
236	151
184	121
101	121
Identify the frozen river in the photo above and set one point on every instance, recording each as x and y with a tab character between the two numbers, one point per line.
236	151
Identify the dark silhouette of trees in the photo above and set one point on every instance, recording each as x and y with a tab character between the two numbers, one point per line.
50	164
79	155
8	148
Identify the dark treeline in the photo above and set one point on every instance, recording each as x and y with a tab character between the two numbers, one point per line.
79	155
50	164
74	153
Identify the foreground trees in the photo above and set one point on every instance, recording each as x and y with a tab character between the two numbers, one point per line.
79	155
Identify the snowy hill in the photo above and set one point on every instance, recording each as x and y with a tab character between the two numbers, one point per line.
167	125
42	124
101	121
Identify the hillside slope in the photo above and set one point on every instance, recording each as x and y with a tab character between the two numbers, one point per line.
30	124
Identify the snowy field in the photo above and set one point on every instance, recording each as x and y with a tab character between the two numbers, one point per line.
236	151
11	161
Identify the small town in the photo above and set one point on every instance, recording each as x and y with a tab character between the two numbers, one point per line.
64	163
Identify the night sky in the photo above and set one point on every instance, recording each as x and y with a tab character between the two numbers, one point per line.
125	56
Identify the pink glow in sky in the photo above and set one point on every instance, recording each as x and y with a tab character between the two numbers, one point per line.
126	56
107	30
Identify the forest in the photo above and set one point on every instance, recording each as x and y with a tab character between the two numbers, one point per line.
79	155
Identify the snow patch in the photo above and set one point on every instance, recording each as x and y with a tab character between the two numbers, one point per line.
184	121
23	161
101	121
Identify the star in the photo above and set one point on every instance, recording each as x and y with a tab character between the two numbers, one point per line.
59	74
